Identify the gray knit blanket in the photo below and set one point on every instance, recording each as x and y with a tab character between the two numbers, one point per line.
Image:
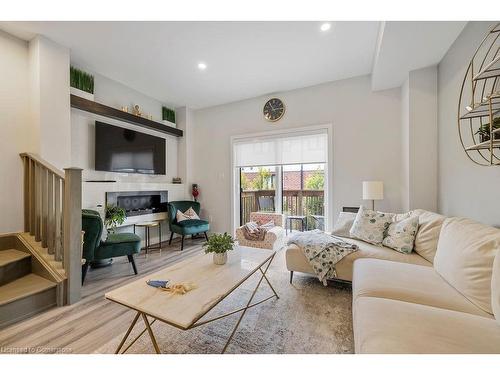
322	251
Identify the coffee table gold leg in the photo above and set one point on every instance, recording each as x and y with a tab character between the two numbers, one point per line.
267	280
248	304
151	335
128	333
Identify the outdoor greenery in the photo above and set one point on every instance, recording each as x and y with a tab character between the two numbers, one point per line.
168	114
316	181
219	243
263	181
114	216
81	80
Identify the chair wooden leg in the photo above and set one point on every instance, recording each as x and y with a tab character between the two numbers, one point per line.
291	276
85	268
132	260
206	236
182	243
170	240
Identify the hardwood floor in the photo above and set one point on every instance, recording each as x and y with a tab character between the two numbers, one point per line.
93	321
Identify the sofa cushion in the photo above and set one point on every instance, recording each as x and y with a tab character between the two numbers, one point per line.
343	224
296	261
370	225
426	239
495	287
388	326
464	258
408	283
400	235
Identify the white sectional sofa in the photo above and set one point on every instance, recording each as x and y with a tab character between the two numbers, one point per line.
442	298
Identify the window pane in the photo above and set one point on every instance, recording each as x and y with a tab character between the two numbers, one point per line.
258	191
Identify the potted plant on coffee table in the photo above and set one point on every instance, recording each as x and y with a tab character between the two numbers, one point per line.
219	245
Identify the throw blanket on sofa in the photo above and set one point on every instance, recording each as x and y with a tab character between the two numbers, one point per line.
322	251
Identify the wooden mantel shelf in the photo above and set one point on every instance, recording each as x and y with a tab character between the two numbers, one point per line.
106	111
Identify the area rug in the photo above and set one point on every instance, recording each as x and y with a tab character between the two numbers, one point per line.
307	318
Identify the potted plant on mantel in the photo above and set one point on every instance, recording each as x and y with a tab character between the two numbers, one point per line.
81	83
484	131
219	245
114	216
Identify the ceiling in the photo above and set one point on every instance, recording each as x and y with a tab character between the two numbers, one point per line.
244	59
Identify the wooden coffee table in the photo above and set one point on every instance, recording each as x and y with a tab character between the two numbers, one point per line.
214	284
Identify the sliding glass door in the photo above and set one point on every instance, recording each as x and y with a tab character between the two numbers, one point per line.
257	191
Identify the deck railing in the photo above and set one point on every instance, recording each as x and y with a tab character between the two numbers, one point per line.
52	214
295	202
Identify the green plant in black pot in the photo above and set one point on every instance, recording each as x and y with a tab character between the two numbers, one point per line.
219	245
81	80
114	216
484	130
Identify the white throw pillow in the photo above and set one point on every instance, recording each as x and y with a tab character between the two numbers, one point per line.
343	224
268	225
189	214
400	235
464	258
370	226
252	226
429	227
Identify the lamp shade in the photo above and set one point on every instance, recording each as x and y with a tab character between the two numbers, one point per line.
373	190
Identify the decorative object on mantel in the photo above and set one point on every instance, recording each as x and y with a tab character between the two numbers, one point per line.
114	216
195	192
219	245
81	83
168	115
373	190
479	103
114	113
176	180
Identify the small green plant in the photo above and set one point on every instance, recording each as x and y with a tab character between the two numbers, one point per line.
114	216
168	114
484	130
219	243
81	80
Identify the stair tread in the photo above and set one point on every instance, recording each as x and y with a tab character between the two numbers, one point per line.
24	287
12	255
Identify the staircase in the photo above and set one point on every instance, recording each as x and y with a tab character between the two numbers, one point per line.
26	287
41	267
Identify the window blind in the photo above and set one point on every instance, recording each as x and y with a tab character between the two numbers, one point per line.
293	148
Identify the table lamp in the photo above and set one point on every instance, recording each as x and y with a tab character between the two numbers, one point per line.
373	190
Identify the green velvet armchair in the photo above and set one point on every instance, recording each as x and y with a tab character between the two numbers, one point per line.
116	245
185	227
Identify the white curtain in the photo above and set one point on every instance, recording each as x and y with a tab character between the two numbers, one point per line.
292	148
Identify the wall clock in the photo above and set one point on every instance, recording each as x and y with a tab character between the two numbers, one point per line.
274	109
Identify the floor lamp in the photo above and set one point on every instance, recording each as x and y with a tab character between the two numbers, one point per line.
373	190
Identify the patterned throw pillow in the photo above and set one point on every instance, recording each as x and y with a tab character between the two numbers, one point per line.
400	235
344	224
370	226
189	214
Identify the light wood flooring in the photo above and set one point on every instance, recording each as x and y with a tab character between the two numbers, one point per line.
93	321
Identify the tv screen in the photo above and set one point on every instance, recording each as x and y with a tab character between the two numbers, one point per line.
127	151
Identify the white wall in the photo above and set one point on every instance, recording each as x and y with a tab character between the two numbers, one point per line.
14	129
465	189
366	141
419	147
50	110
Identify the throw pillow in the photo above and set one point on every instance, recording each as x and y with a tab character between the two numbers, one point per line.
252	226
426	240
268	225
189	214
400	235
495	287
343	224
370	226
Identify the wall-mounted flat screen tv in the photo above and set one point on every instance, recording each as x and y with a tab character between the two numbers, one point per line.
128	151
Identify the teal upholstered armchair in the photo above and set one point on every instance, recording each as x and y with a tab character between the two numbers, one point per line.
185	227
116	245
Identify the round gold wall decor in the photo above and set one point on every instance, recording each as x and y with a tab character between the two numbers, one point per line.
479	103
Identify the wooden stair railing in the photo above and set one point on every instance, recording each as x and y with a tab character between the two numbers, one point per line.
52	214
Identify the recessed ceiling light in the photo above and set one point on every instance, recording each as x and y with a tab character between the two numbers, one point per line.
326	26
202	66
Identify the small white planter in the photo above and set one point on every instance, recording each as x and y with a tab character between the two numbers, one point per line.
81	93
220	259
